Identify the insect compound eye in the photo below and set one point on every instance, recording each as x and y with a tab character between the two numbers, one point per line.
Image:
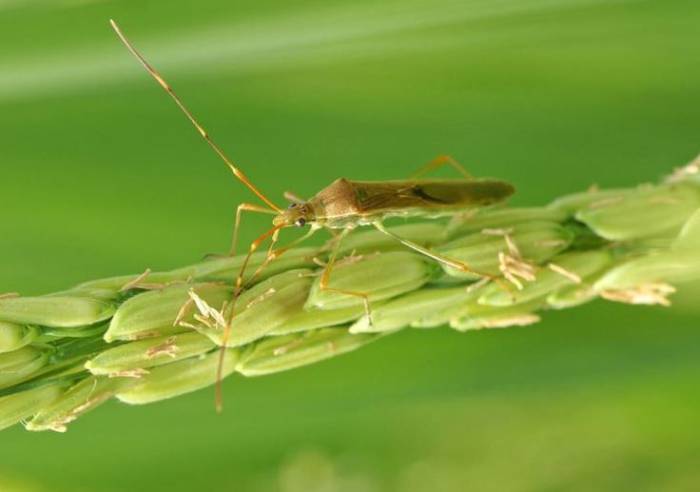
301	222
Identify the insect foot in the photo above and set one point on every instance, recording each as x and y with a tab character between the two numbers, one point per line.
380	277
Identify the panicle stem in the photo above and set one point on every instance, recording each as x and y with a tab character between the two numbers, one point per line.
153	336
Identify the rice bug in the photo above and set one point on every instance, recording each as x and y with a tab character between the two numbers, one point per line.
344	205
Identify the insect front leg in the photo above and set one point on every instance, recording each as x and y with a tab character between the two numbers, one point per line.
273	254
325	277
245	207
269	256
238	289
438	162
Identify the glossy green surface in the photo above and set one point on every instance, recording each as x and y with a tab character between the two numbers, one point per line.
101	176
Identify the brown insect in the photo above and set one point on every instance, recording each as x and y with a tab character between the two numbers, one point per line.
345	205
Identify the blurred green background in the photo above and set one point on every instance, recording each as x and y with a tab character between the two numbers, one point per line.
101	176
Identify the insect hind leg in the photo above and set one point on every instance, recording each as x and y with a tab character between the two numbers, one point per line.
440	161
443	260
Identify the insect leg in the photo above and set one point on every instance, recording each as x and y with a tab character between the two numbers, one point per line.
279	251
456	264
325	277
238	288
273	254
269	256
245	207
438	162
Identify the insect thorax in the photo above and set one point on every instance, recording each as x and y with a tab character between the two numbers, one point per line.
335	201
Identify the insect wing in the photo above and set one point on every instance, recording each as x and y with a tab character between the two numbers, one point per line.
434	194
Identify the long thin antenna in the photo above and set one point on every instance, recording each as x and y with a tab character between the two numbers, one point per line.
154	73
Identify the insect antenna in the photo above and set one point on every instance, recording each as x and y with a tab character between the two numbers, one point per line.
154	73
